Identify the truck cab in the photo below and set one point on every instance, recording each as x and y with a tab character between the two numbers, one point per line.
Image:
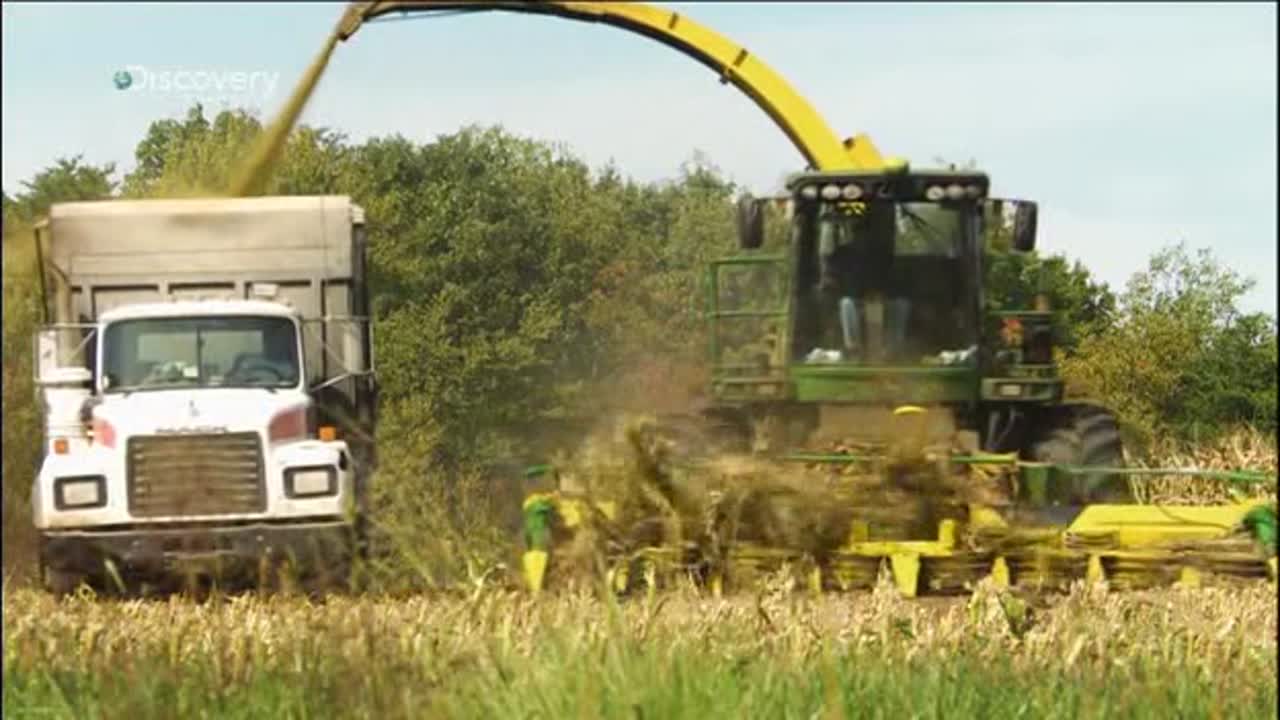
194	433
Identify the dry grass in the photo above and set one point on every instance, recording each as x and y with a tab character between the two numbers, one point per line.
495	653
1210	629
1245	448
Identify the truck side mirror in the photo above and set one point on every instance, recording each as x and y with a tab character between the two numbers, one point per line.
56	355
750	223
1024	226
59	377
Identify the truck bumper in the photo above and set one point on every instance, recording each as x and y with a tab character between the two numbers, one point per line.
153	550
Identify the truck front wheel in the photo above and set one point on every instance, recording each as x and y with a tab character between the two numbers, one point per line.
59	583
56	581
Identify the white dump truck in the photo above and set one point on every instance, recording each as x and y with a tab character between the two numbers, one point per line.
207	379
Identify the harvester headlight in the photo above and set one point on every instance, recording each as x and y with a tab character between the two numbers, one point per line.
955	192
310	482
973	191
809	192
1010	390
830	192
852	191
934	193
78	493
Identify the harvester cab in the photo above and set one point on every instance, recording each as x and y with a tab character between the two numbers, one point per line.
875	302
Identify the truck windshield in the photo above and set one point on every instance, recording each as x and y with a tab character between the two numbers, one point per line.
167	353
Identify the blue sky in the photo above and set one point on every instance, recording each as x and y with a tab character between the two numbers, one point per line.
1135	126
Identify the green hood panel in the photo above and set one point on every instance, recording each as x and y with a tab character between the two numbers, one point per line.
894	385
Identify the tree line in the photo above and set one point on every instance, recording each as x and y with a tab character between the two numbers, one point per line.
516	287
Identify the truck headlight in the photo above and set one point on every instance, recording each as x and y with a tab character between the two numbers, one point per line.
310	482
75	493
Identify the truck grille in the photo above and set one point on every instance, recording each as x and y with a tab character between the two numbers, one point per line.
186	475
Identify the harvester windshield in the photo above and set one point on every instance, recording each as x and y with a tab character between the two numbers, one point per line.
168	353
885	282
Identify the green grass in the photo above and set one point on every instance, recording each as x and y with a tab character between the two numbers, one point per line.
630	682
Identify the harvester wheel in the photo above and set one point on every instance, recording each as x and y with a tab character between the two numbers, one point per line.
1084	435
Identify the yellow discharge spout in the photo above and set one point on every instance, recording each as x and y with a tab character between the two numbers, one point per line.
821	147
251	176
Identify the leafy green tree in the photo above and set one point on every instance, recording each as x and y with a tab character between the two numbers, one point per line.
1180	358
152	152
483	245
1081	304
67	180
191	157
1234	381
195	156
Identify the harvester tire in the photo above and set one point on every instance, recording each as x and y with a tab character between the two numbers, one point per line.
1084	435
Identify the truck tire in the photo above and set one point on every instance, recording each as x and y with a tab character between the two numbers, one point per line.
58	582
53	581
1085	435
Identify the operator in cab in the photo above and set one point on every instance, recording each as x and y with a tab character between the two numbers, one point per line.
863	311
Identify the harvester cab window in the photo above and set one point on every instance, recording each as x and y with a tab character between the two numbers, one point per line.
887	284
750	340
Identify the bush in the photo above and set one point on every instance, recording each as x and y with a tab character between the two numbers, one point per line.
22	420
1180	359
